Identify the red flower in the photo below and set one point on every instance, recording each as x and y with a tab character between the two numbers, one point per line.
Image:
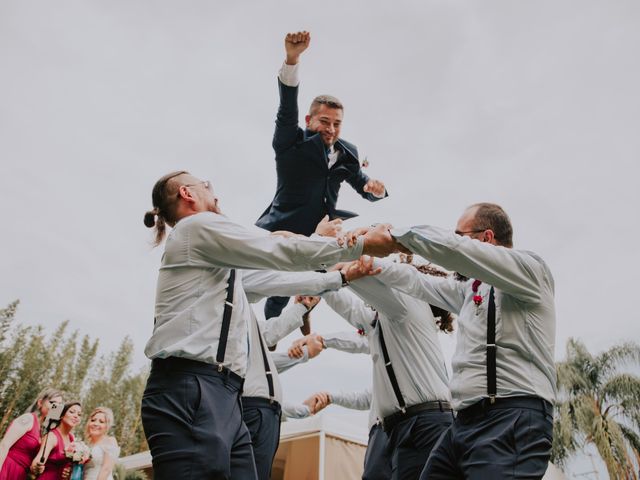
360	331
475	285
477	299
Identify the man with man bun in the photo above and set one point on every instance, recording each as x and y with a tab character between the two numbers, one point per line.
191	409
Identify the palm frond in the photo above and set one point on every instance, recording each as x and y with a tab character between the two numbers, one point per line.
620	355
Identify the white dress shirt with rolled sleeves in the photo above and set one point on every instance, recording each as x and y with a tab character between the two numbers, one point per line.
525	311
411	337
193	279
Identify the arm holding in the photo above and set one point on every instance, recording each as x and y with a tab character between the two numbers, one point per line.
284	362
349	342
217	241
43	453
516	272
259	284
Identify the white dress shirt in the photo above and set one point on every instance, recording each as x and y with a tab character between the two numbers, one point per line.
525	311
349	342
193	278
259	284
411	337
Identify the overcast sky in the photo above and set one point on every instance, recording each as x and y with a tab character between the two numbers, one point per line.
533	105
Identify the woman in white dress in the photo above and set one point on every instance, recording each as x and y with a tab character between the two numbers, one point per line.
104	449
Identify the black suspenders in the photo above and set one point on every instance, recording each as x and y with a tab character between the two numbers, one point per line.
389	367
491	347
267	368
226	321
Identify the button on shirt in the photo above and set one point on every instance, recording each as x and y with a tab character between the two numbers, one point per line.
525	311
410	334
193	277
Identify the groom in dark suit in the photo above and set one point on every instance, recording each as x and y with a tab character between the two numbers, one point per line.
311	164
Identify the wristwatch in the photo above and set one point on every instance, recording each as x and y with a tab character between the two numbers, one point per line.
344	279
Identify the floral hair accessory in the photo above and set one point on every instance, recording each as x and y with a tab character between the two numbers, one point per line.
477	298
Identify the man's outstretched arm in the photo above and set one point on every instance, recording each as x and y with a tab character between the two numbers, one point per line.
287	119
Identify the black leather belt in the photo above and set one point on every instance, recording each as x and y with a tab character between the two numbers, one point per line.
176	364
391	421
257	402
480	409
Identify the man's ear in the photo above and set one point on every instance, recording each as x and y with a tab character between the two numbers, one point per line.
307	119
489	236
185	194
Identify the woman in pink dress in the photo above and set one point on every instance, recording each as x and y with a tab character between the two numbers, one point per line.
51	461
22	439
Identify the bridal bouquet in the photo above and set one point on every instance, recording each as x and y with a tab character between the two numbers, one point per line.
79	453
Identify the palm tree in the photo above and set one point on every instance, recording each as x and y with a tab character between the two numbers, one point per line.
599	404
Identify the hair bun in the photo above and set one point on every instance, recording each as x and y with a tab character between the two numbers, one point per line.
150	218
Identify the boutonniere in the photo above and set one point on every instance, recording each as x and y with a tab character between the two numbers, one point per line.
477	298
361	331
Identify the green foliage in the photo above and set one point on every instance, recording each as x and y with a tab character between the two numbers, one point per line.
29	362
599	404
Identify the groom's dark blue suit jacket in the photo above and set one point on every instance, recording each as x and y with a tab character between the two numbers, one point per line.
307	189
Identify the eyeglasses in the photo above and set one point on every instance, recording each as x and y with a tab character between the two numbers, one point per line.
206	183
458	232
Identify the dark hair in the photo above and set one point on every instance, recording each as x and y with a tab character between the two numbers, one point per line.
492	216
444	319
65	409
67	406
328	100
164	200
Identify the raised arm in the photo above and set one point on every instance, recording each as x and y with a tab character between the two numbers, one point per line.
517	272
259	284
349	342
286	131
217	241
353	400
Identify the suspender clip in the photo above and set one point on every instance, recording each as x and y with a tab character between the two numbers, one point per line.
388	364
492	399
220	367
228	303
268	373
403	410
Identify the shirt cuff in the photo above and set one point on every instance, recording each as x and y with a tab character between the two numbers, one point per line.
288	75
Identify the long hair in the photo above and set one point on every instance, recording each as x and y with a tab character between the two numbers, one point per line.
45	394
444	318
164	198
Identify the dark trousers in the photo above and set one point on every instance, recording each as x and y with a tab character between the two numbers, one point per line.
274	305
411	441
192	420
377	464
507	440
263	422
